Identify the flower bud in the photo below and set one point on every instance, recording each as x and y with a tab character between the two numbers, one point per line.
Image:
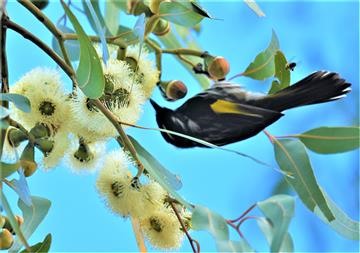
40	131
15	137
132	62
41	4
173	90
2	221
27	160
45	145
217	67
162	27
137	7
6	239
83	154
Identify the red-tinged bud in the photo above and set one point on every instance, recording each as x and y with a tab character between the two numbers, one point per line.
19	219
6	239
173	90
41	4
162	28
27	160
217	67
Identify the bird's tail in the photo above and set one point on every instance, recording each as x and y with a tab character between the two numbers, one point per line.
319	87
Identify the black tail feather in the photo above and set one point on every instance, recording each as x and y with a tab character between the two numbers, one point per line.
319	87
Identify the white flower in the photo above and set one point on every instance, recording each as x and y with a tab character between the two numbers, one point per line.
55	156
162	229
10	153
83	156
49	102
123	97
146	73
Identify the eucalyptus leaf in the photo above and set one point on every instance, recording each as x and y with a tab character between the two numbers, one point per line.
4	124
342	224
205	219
33	216
21	187
255	7
43	246
266	227
100	31
72	46
4	112
279	209
233	246
293	159
20	101
329	140
93	19
263	66
180	13
126	35
282	73
7	169
164	177
112	12
89	74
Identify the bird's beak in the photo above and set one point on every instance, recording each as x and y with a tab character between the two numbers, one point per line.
155	105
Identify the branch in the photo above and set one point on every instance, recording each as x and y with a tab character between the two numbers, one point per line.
193	243
27	35
4	71
125	139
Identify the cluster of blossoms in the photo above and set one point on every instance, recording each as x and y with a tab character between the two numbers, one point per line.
67	127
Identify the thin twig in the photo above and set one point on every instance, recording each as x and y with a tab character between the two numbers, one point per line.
196	247
244	213
271	138
27	35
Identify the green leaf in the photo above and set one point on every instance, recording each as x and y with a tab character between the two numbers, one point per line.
268	230
329	140
43	246
4	124
255	7
111	16
3	112
180	13
282	73
205	219
263	66
90	17
89	74
6	169
292	158
20	101
233	246
126	35
33	216
279	209
342	224
72	46
164	177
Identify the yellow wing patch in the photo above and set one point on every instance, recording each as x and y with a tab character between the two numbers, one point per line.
223	106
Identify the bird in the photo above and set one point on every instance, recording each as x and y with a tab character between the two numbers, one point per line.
227	113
